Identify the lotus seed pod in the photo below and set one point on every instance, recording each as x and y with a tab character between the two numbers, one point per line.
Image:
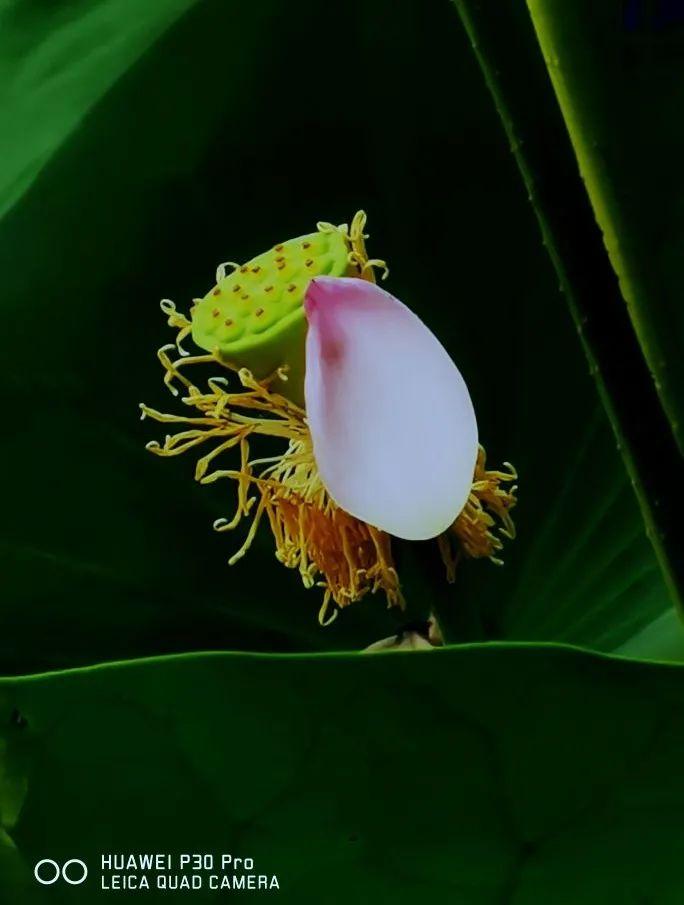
254	317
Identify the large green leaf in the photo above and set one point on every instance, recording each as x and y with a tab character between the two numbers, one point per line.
616	68
241	125
484	774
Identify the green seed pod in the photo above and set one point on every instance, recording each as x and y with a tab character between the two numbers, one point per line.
254	317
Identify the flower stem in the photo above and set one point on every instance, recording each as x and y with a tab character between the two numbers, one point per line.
427	592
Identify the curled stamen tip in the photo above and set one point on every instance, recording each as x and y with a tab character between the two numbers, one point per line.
322	620
221	269
167	306
153	444
219	524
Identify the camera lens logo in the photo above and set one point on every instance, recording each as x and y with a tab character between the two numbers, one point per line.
73	872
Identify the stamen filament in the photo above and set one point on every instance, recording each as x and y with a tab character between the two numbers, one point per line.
327	546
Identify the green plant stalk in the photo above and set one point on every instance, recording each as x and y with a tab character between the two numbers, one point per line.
506	48
421	568
570	56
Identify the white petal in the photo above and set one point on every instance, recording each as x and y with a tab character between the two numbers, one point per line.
393	427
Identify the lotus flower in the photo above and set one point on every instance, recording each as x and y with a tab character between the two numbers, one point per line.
379	429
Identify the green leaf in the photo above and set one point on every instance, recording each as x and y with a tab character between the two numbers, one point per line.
484	774
55	64
201	152
508	54
616	71
662	639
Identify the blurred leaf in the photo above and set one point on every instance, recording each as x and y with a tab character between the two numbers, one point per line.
56	62
616	68
484	774
662	639
201	152
507	51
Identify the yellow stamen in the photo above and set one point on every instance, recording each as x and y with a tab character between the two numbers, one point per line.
355	238
330	548
474	533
